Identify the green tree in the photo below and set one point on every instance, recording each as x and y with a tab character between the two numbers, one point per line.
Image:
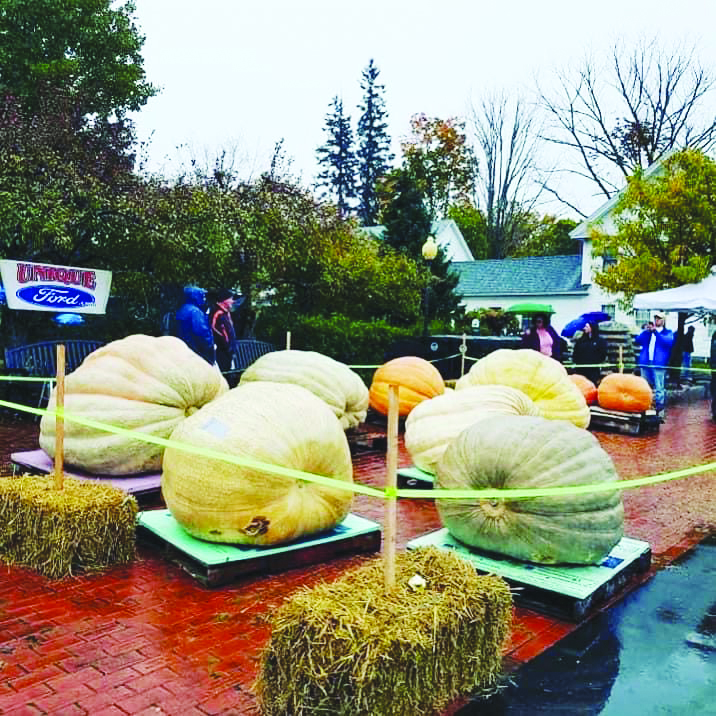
86	50
547	236
439	157
473	226
337	158
666	228
407	227
374	155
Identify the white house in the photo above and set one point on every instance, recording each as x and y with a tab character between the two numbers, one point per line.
565	282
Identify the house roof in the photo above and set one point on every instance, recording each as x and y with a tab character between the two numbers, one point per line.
602	217
529	276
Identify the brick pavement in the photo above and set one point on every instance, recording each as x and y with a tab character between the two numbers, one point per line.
149	639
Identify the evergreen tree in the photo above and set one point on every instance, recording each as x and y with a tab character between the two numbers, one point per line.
407	227
338	159
374	154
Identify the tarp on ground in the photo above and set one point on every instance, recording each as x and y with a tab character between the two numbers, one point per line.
691	297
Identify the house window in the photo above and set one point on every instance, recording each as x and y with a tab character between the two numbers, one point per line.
641	316
608	259
611	309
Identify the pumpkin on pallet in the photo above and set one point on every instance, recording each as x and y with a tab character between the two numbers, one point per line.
141	383
624	392
334	382
416	378
433	424
587	388
540	377
260	423
531	452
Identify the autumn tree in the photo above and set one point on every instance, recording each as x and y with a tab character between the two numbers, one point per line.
373	155
441	161
337	158
615	117
506	136
666	228
546	236
85	50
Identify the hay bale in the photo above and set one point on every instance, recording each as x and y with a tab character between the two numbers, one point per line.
84	526
349	648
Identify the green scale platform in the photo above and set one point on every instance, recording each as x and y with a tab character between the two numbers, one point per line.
215	564
569	591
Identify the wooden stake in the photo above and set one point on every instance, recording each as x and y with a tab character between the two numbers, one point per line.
391	483
60	422
288	340
463	350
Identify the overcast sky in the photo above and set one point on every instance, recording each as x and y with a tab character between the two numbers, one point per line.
241	75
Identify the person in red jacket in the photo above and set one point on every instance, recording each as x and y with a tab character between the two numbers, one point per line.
222	328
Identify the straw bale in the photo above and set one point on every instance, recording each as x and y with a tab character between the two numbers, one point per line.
349	647
84	526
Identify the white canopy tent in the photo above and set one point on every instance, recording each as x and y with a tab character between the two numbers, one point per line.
689	298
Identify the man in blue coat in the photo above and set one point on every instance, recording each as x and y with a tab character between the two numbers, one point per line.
193	324
656	342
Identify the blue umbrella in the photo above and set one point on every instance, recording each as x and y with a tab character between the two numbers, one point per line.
578	324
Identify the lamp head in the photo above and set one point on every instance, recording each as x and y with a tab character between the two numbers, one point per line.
430	249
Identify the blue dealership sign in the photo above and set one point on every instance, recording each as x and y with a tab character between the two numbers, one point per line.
56	297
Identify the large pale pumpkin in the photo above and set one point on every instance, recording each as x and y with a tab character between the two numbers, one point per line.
542	378
416	378
433	424
334	382
531	452
625	392
139	383
587	388
275	423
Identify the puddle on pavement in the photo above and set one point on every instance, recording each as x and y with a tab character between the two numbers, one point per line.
653	653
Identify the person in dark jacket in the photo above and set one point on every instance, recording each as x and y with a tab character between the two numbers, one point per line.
193	324
687	348
540	336
589	350
222	328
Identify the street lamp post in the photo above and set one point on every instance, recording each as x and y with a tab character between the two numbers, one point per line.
429	252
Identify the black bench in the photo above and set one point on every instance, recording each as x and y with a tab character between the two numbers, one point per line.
247	351
40	359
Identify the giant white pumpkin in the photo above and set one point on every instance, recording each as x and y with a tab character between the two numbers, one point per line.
542	378
140	383
334	382
273	423
433	424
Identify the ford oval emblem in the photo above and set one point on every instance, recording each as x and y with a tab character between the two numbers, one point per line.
59	297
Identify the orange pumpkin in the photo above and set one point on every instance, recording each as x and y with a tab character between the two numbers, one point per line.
624	391
589	390
416	378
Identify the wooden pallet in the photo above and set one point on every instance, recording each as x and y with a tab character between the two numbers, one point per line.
215	564
565	591
625	423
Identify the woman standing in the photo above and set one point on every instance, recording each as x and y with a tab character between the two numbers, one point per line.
590	349
540	336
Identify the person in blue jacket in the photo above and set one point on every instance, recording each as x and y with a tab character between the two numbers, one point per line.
192	324
656	342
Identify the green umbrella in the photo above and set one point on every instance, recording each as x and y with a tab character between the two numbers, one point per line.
526	308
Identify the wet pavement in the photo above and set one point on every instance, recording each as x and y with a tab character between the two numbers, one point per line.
148	638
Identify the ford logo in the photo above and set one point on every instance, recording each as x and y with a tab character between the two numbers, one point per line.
55	296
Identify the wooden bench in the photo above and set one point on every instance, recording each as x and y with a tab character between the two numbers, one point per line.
40	359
